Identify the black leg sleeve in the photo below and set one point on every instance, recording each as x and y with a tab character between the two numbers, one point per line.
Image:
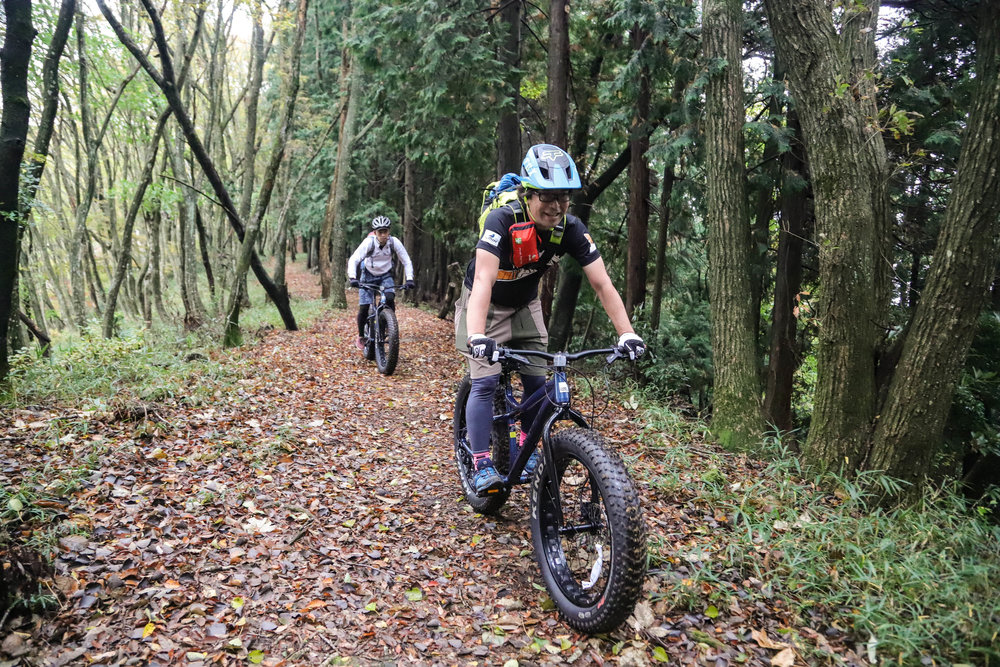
362	318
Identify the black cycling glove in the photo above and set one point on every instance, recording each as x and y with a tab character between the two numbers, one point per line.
483	347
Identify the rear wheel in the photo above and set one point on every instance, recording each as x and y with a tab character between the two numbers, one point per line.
593	560
489	504
387	344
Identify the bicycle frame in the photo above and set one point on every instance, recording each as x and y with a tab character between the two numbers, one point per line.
556	392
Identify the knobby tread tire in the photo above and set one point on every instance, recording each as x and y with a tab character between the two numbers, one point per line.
500	439
387	353
491	503
627	528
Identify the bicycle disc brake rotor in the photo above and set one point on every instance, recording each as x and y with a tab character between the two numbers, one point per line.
585	539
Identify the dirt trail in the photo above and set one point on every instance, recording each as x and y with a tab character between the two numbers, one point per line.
314	515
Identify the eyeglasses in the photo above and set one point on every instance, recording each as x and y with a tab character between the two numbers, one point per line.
547	197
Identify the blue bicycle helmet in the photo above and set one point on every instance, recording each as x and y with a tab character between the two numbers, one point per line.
548	167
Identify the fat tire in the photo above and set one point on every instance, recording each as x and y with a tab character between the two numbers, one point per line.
387	351
500	439
491	503
604	608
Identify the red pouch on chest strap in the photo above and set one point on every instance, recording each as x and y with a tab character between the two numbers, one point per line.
523	243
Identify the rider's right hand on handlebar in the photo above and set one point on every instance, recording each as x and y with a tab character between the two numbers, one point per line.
483	347
631	345
354	283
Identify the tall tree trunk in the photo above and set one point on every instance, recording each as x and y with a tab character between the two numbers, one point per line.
638	210
250	134
557	111
338	200
765	182
509	153
76	269
736	419
409	213
50	103
557	88
784	352
334	227
842	139
909	431
330	219
154	221
13	134
660	261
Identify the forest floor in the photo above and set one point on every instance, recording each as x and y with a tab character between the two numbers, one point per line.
314	516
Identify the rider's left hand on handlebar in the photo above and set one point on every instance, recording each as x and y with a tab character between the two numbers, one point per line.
409	284
354	283
632	345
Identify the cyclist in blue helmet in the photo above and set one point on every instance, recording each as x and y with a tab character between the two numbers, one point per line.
499	302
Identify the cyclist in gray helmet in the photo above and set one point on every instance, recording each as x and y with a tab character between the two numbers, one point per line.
377	255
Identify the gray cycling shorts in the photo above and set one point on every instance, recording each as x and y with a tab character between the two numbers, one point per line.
522	328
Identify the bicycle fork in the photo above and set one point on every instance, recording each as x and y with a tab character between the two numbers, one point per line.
560	399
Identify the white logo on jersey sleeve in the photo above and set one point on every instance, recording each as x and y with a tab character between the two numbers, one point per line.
491	237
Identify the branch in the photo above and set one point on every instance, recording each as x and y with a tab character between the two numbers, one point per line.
193	188
129	44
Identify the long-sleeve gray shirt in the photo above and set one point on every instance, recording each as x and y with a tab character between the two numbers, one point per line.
378	259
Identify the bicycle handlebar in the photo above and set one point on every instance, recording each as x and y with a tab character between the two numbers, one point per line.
381	287
559	358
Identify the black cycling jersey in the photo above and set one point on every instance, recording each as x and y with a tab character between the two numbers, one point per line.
516	287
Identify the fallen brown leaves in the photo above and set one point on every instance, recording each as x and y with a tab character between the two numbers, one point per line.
313	516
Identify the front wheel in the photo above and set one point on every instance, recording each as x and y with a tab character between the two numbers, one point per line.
593	561
387	343
491	503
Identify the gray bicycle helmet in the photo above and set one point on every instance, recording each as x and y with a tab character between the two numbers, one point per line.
380	222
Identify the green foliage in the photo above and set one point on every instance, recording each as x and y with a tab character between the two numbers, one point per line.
683	364
973	428
920	580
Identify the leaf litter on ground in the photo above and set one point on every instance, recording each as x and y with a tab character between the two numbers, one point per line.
314	516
